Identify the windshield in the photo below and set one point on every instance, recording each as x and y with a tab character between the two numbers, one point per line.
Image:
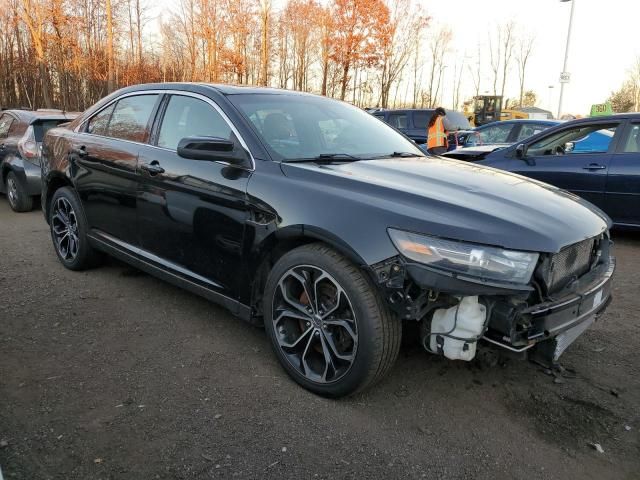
305	127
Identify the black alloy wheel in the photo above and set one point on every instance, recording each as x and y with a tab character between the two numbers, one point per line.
315	324
328	324
64	229
69	231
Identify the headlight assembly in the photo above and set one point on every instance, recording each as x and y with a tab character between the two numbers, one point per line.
468	259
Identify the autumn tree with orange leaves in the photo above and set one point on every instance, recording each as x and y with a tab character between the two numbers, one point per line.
70	53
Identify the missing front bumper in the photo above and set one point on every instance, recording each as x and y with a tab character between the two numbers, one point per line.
553	326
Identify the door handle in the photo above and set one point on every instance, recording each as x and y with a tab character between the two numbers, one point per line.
152	168
80	151
594	166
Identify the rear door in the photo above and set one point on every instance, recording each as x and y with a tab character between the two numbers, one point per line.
575	158
623	182
104	158
192	213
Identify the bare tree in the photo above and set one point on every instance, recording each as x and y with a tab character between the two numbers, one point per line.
507	51
438	48
524	49
476	73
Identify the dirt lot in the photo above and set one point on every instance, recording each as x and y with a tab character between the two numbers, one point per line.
112	374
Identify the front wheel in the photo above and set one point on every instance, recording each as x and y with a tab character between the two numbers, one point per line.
327	323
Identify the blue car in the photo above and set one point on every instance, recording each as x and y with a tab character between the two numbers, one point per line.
596	158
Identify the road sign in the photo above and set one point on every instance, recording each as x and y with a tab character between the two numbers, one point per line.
600	109
565	77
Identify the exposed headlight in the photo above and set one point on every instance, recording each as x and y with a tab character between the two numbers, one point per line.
480	261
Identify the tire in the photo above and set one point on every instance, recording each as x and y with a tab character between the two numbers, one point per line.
74	251
19	201
350	324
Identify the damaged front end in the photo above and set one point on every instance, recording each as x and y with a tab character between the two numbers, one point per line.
563	295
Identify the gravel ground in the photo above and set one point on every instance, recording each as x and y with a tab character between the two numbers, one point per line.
112	374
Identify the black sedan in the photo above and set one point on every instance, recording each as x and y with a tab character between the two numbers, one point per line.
596	158
312	218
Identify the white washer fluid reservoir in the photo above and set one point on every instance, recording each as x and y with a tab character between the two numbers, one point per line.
465	322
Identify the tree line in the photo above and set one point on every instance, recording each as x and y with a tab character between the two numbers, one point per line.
70	53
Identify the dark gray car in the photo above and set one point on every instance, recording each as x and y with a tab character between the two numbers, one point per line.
21	134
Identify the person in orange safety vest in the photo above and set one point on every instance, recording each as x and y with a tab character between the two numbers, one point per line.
436	136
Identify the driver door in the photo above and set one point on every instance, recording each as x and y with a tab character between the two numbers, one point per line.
575	158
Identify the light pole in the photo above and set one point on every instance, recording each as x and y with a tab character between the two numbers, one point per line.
563	78
550	92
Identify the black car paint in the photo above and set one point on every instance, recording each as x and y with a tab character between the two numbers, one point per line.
609	180
213	228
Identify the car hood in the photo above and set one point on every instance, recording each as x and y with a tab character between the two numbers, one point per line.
459	200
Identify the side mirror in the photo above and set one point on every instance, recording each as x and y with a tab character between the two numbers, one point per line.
521	153
213	149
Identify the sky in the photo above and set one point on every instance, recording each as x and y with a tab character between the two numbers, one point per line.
604	45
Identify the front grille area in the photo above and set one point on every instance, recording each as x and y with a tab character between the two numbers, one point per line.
569	263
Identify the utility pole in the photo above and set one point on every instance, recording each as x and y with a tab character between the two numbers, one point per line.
564	75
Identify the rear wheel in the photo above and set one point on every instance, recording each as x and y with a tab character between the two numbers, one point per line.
19	201
69	231
327	323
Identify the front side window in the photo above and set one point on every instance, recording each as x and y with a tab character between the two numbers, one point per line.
594	138
130	118
5	123
421	119
304	126
190	117
632	145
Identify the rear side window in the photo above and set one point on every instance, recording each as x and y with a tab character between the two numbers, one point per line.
495	134
130	118
41	127
98	123
189	117
5	123
530	129
398	120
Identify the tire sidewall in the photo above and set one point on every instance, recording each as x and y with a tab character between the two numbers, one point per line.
365	319
17	205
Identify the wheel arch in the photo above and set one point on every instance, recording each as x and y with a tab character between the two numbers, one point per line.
55	182
282	241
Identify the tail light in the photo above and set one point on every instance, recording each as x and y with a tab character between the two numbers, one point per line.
27	146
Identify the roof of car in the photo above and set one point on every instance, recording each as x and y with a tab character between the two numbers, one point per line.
222	88
522	120
29	116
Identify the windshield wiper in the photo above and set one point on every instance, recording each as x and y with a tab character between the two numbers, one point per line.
398	155
326	157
